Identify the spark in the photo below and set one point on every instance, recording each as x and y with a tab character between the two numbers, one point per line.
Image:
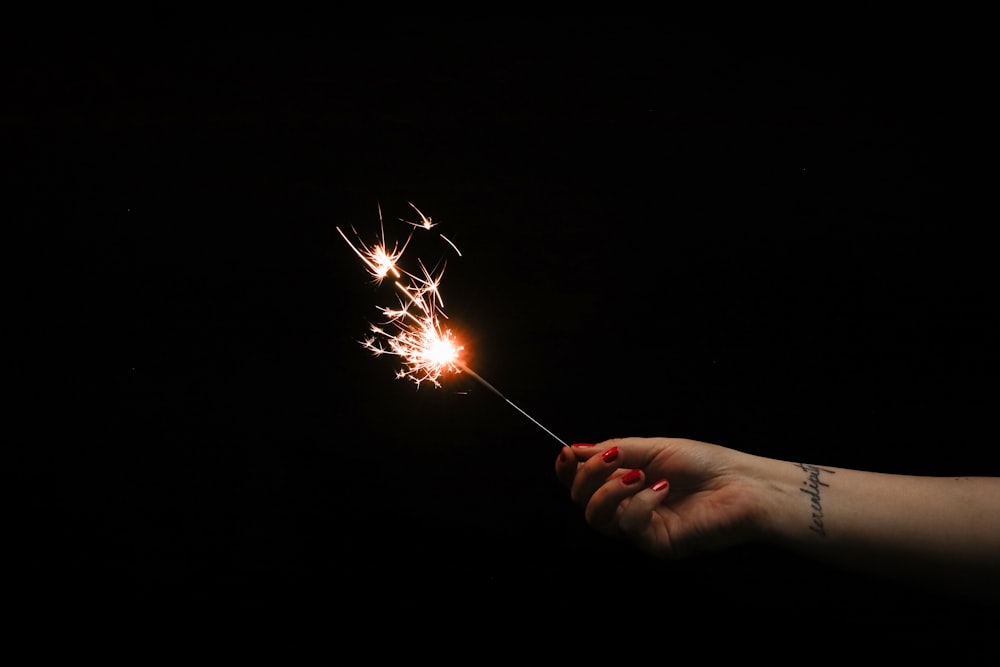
379	260
425	222
414	333
414	330
451	244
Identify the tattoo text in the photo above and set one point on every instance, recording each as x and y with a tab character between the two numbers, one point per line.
812	487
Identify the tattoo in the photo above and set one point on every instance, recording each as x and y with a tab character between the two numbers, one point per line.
812	488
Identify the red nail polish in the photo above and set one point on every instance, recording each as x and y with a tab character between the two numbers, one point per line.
659	486
631	477
582	444
610	455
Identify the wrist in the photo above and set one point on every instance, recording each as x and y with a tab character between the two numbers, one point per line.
791	499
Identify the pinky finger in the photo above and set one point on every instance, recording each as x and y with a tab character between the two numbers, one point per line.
634	517
606	504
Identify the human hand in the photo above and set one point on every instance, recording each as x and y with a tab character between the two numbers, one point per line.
672	497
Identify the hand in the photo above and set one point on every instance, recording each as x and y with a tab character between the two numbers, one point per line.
672	497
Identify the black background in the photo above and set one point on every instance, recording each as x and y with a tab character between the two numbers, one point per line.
753	238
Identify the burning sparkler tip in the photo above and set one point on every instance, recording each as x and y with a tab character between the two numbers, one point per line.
427	349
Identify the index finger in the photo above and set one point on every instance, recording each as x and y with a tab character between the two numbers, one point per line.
570	458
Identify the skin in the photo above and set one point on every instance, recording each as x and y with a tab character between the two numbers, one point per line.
687	497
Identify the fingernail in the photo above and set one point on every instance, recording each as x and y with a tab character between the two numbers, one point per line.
610	455
659	486
582	444
631	477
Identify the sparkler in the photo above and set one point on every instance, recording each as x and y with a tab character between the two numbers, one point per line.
414	331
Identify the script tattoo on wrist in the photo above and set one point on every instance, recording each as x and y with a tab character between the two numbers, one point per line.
813	487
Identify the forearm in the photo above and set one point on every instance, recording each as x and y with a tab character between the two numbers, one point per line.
943	531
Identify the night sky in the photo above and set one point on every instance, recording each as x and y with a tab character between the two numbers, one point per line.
752	239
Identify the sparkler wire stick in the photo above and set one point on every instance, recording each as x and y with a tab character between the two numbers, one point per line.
511	403
427	348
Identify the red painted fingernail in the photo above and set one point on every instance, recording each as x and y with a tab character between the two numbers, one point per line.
582	444
610	455
659	486
631	477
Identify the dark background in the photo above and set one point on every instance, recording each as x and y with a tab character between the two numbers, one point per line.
758	239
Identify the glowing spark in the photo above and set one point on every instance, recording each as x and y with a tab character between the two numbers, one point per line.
451	244
413	331
425	222
377	258
426	348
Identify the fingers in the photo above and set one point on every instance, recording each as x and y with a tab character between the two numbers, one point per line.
611	498
583	467
598	463
616	499
634	516
624	505
569	459
566	466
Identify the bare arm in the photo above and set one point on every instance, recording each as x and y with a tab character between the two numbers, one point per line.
939	531
675	498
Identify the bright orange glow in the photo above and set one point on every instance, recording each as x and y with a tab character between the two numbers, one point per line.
413	331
